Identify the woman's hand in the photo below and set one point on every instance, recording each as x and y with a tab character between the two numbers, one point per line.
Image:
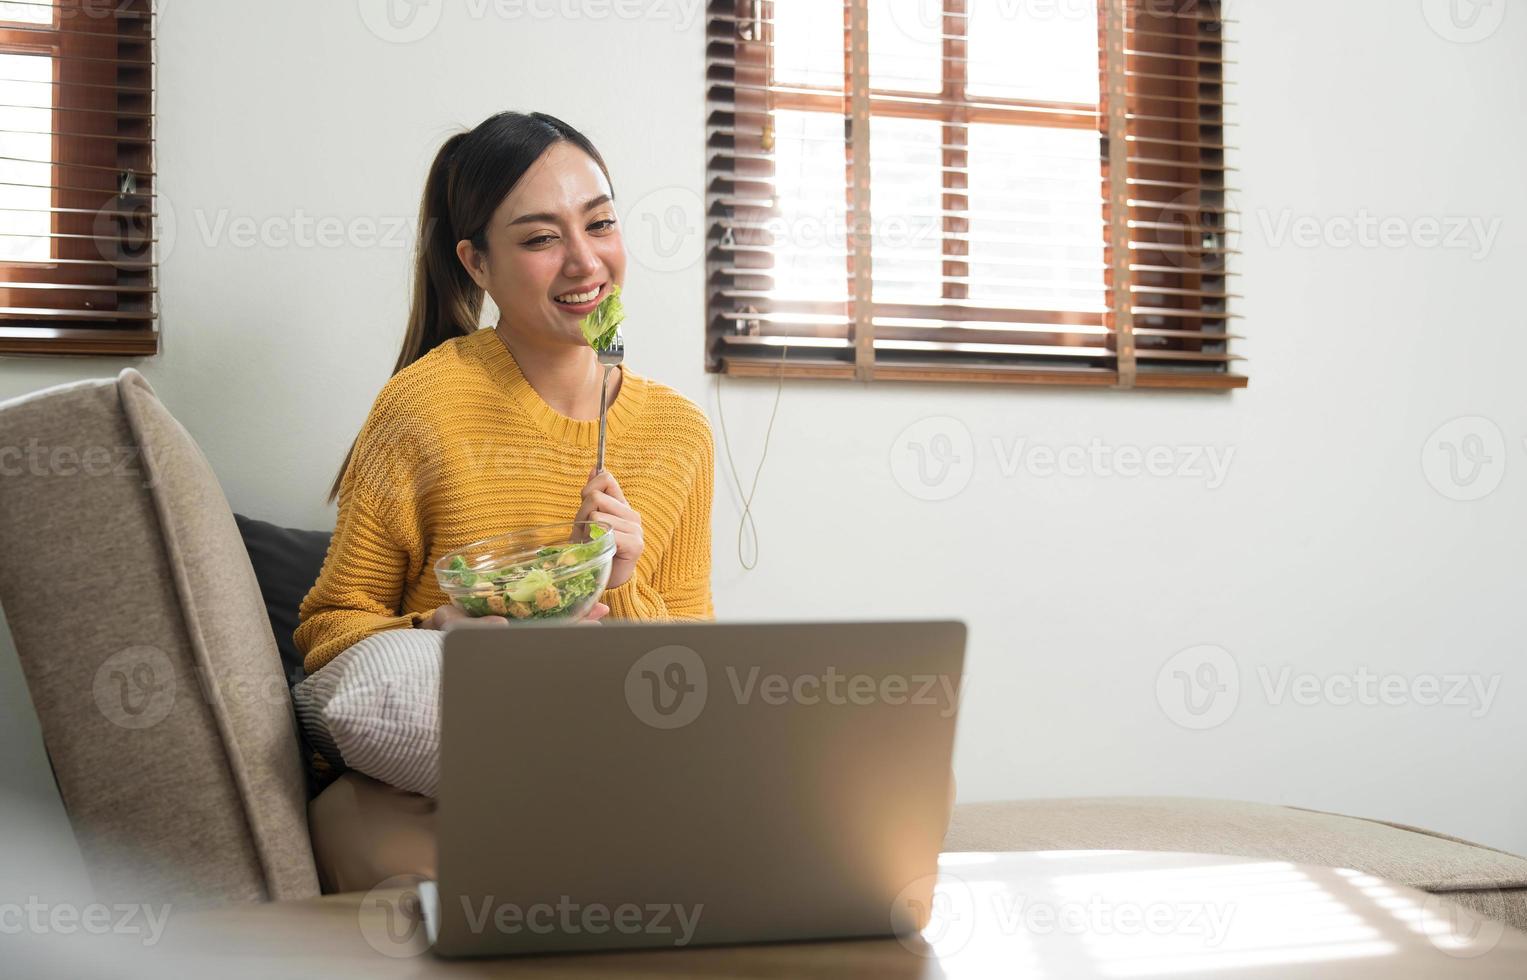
604	502
448	616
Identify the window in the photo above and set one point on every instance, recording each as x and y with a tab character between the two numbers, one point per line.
77	213
983	190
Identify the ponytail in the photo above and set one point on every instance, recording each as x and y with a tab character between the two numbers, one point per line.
446	302
472	174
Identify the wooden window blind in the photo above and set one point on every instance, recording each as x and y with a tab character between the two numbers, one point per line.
77	211
991	191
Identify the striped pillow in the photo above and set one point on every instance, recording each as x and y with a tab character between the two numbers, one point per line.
375	708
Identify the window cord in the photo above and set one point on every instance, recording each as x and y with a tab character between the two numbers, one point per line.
747	519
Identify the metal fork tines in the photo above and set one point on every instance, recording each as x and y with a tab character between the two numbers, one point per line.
608	358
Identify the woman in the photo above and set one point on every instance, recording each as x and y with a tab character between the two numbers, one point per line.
482	432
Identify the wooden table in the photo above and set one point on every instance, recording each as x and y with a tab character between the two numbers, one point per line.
1052	914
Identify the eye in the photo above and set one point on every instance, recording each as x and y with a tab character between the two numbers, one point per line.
607	223
539	239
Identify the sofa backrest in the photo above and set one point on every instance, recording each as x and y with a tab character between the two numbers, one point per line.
148	653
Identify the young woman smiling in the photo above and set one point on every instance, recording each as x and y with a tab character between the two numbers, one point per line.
485	431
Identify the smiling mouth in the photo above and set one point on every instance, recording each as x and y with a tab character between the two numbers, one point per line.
581	298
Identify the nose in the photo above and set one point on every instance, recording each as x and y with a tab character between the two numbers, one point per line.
581	260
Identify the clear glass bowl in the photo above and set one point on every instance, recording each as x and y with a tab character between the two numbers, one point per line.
553	572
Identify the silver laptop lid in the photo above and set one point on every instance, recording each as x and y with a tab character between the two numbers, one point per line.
661	784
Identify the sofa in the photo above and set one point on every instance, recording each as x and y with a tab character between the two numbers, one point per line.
166	716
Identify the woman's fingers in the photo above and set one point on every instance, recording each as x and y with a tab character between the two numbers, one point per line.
592	492
620	525
610	505
598	612
442	616
605	481
619	515
603	501
456	621
627	521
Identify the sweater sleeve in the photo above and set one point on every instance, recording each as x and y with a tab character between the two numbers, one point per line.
376	542
680	585
683	577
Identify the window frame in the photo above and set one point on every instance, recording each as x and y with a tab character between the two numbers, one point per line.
951	107
96	294
39	40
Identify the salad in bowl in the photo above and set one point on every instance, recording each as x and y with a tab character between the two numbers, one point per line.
556	571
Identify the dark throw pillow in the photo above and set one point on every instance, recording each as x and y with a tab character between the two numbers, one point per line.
286	562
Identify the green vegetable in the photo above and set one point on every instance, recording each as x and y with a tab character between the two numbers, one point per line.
522	583
588	549
599	326
525	589
465	577
578	587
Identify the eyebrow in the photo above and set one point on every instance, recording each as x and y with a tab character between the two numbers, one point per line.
543	216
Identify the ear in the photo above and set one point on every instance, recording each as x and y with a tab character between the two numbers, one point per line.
472	261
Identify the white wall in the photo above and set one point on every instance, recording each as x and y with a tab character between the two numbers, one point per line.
1325	549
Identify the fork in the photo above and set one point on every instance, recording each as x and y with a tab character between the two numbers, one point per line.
609	358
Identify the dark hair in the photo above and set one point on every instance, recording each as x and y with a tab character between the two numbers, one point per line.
471	176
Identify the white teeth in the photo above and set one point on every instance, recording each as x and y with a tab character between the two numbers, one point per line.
577	297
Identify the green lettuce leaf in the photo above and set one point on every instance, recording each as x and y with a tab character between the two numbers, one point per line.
526	588
464	576
599	326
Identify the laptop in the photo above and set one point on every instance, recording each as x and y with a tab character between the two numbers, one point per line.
673	784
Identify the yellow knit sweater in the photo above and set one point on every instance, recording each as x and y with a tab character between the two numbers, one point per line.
459	447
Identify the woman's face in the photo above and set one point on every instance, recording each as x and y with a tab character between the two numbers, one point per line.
554	234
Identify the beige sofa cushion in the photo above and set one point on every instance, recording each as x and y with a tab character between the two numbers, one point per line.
148	653
1491	882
